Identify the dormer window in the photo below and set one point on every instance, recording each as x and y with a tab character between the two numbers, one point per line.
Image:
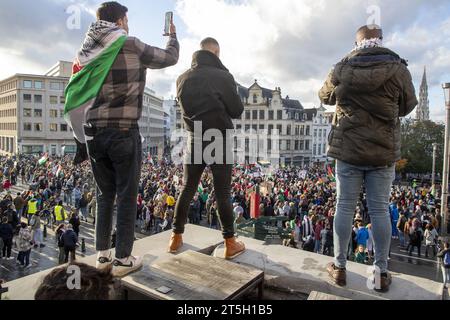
305	117
255	98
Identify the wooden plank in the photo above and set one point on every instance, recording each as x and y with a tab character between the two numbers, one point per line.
323	296
194	276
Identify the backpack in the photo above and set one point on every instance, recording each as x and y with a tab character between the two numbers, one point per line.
447	260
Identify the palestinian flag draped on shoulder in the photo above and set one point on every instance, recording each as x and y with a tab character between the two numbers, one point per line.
103	43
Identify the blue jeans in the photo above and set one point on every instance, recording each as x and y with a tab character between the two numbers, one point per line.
401	236
378	182
317	246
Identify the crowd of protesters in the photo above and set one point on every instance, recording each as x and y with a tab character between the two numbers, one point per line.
61	196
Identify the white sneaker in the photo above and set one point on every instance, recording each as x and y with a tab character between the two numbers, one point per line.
104	260
10	258
123	267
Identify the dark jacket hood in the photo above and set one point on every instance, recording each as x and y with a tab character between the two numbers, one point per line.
367	70
204	58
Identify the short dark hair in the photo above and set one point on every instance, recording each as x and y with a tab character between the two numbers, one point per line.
95	284
208	41
111	11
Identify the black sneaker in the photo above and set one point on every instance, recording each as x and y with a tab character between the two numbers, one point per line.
104	262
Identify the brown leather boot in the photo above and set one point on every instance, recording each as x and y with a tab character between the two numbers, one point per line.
233	248
176	242
385	282
339	276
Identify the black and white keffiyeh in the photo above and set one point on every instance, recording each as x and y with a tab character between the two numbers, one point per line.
100	36
369	43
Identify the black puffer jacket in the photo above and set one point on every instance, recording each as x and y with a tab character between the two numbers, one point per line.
372	89
207	93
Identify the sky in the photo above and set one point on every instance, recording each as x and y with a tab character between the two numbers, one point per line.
290	44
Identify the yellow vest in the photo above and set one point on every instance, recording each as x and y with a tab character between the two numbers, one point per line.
170	201
32	207
59	213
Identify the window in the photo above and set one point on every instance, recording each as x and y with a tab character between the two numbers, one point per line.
308	130
38	85
38	113
288	145
53	100
280	115
61	113
315	132
27	127
247	128
302	130
269	145
53	113
296	145
247	115
37	98
28	84
280	129
55	86
53	127
32	149
38	127
255	98
288	130
62	99
262	127
315	150
238	127
27	112
324	149
255	114
270	128
27	98
302	145
254	128
262	115
297	130
320	133
324	133
64	128
307	145
271	114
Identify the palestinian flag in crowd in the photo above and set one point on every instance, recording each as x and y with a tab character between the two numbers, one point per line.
200	188
42	161
103	43
60	171
331	175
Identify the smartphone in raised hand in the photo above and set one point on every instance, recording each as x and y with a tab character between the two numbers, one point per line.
169	21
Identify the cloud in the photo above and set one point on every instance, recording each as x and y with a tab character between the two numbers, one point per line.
290	44
293	44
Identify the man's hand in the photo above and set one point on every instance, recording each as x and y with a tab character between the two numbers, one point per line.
173	30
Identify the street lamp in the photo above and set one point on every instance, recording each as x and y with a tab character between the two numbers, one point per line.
445	179
433	179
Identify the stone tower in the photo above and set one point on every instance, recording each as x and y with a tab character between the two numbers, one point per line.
423	110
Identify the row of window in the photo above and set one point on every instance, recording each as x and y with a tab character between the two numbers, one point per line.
39	85
38	99
298	131
319	149
8	86
8	99
7	144
28	113
39	127
321	132
298	145
261	115
8	126
8	113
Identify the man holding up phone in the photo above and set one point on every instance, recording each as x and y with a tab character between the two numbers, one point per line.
103	106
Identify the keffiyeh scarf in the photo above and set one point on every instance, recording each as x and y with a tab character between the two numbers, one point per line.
369	43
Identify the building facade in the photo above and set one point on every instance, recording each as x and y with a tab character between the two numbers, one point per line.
152	124
32	113
321	129
271	129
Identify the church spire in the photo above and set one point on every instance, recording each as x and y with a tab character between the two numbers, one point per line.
423	110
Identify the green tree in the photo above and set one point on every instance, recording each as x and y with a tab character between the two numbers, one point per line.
417	145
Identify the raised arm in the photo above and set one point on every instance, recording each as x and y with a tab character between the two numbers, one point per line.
156	58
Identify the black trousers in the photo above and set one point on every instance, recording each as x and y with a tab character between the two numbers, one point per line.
116	158
222	185
7	247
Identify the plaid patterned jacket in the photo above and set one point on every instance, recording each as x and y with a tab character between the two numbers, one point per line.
119	103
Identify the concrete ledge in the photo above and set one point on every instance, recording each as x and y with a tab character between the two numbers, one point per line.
154	248
304	272
289	269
